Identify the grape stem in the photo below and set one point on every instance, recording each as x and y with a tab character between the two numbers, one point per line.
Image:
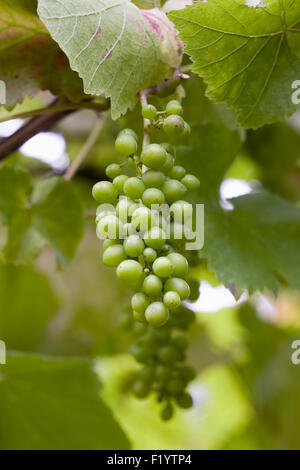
147	122
85	150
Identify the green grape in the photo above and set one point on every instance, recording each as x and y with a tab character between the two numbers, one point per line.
172	300
162	373
177	234
180	342
139	328
167	412
182	211
140	302
152	285
154	156
175	386
157	314
173	190
109	227
134	246
168	165
163	267
155	238
153	179
132	208
141	389
126	144
153	196
177	172
148	340
128	229
150	255
177	285
180	264
114	255
187	373
122	208
129	132
113	170
187	130
167	354
141	353
103	214
139	316
168	147
173	125
104	192
125	321
174	107
184	400
130	271
146	374
134	188
119	182
191	182
194	286
141	218
149	111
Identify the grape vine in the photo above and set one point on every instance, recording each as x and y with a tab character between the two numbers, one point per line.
145	228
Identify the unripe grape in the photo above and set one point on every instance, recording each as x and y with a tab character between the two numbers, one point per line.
153	179
154	156
182	211
114	255
141	389
187	130
174	107
180	264
107	242
167	412
162	267
113	170
141	218
167	167
194	286
191	182
134	246
104	192
162	373
177	172
187	373
146	374
128	229
173	125
173	190
109	227
155	238
140	317
150	255
184	400
175	386
180	342
122	208
126	144
167	354
103	214
152	285
129	132
119	182
140	302
130	271
168	147
153	196
178	234
172	300
157	314
178	285
134	188
149	111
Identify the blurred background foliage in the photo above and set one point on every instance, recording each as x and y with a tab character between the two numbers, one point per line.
247	390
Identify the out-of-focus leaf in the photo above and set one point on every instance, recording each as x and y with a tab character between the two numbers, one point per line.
51	214
54	404
27	303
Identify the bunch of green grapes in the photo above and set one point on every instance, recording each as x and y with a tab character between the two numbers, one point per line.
144	241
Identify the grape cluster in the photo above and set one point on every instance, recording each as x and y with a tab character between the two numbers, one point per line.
144	231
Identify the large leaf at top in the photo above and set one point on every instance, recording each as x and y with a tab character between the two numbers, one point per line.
115	47
29	58
27	303
256	245
50	214
54	404
247	56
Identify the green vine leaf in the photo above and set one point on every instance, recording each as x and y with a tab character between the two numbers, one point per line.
54	404
49	214
116	48
247	56
28	56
